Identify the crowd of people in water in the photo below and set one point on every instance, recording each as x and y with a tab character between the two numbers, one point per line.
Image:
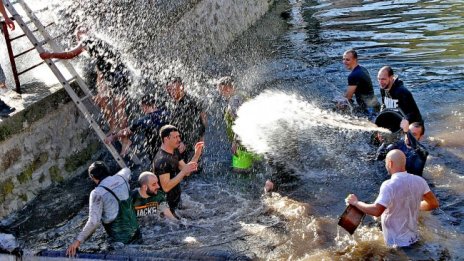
174	131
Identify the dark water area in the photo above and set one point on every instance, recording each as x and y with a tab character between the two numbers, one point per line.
290	64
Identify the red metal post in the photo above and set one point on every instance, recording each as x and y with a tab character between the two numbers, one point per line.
11	55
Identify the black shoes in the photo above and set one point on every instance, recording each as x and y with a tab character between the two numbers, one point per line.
6	111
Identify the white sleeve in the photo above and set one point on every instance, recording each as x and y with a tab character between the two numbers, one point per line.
95	214
385	196
425	186
125	173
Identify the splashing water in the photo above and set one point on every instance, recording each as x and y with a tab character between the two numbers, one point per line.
272	116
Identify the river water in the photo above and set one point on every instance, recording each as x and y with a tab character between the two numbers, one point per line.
290	64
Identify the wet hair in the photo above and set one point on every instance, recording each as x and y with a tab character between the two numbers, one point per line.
98	170
148	99
388	69
354	53
226	80
420	125
144	176
166	130
175	79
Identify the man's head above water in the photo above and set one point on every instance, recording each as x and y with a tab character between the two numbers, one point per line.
226	87
175	88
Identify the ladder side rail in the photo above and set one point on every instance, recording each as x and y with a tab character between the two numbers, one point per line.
85	112
14	69
54	45
66	86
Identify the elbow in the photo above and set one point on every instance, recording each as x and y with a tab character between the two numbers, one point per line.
435	205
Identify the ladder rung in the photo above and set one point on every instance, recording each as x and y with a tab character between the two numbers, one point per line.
35	30
24	52
86	97
30	68
70	79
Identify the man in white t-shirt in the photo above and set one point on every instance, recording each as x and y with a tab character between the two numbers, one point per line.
399	201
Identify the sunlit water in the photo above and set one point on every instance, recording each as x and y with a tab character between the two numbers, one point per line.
297	61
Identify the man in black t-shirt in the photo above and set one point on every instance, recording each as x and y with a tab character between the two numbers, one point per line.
147	200
170	168
360	84
186	113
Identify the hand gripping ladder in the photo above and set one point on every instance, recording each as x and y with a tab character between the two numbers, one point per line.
79	101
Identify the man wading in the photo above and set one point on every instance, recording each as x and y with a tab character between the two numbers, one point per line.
110	204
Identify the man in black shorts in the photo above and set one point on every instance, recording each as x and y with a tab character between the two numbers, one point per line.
360	84
170	167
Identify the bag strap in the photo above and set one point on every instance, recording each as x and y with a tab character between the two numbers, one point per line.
110	191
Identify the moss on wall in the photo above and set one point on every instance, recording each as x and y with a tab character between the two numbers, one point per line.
81	157
26	174
9	158
6	187
23	197
55	175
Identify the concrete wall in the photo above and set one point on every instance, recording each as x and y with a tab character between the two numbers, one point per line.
43	144
50	141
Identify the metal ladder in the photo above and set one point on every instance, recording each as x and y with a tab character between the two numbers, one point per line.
79	101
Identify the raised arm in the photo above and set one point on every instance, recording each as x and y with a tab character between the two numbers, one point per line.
64	55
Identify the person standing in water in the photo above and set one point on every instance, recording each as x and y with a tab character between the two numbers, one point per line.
110	204
399	202
113	79
396	96
360	85
187	114
242	160
170	167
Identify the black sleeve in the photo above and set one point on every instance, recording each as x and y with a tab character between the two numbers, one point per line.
409	106
162	167
418	148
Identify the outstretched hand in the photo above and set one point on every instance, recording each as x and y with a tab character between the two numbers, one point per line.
190	167
10	23
45	55
72	249
199	148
